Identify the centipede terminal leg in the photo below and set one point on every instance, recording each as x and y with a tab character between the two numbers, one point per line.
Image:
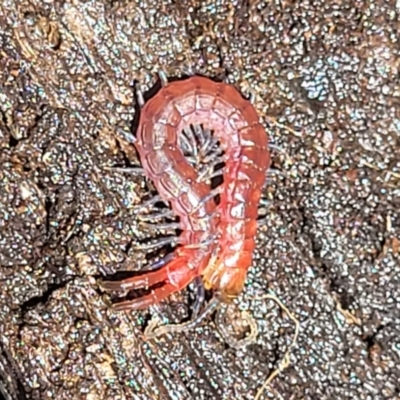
155	297
136	282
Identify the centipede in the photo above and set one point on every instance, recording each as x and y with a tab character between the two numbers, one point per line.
217	241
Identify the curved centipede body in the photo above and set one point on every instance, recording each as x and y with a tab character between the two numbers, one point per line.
217	242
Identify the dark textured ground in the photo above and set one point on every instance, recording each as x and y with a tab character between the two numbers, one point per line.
326	75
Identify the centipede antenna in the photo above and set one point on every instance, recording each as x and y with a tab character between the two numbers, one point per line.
233	342
163	78
151	332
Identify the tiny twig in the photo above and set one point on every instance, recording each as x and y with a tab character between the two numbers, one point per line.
286	358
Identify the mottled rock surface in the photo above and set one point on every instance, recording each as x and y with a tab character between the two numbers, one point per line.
325	75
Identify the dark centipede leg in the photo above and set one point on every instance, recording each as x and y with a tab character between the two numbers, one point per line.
200	296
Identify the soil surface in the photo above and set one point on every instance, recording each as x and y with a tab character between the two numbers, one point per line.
325	78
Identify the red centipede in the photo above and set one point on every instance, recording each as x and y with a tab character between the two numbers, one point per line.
217	241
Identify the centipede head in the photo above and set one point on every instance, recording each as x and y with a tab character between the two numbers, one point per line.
226	280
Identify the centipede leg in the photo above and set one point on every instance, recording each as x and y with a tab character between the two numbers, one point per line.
127	136
199	132
192	140
163	78
209	174
273	172
159	226
209	196
158	264
140	98
185	144
161	242
262	219
208	146
148	203
200	296
156	216
130	170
